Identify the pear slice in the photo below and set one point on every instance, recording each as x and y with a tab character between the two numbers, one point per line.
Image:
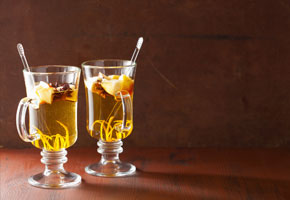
44	93
112	86
114	77
103	76
42	84
127	83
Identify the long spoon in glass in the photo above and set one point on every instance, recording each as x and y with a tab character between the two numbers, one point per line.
133	59
137	49
24	60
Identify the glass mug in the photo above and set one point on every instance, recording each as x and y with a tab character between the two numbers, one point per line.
109	86
52	93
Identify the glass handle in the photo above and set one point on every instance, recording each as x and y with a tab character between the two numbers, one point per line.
20	121
127	109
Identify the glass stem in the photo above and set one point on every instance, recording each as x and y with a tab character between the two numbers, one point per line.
110	151
53	161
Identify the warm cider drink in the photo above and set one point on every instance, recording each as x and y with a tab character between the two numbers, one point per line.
109	85
51	102
54	119
104	106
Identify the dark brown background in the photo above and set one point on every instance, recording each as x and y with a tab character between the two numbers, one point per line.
210	73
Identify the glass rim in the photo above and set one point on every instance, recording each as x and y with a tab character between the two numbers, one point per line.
131	65
75	69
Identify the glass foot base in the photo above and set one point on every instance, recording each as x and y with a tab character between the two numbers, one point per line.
54	175
111	169
55	180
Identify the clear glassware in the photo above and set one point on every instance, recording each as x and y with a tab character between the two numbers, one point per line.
109	86
52	93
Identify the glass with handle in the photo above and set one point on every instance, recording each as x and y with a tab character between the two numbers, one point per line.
109	86
52	93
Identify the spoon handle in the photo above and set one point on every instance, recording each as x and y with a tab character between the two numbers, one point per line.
22	56
137	49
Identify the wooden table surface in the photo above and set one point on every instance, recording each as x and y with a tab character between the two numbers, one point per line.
162	174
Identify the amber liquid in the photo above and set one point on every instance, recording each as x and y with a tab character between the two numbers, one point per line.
105	117
56	124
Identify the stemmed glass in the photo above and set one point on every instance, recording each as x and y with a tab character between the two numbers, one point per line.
109	88
52	93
